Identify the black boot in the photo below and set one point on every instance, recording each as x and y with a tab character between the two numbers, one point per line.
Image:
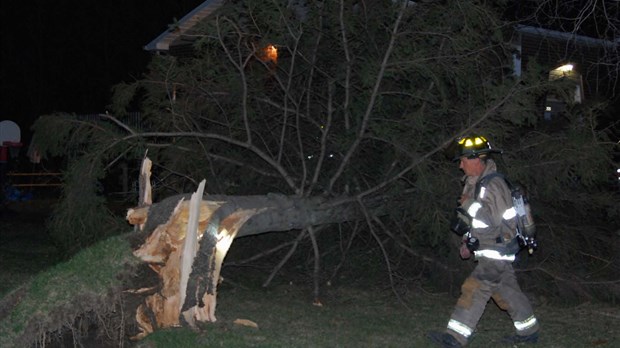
531	339
443	339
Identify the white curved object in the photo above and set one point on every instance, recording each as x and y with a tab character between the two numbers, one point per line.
9	131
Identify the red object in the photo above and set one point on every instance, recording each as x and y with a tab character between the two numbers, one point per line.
4	154
4	150
11	144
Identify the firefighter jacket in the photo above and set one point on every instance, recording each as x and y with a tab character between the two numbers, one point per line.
494	224
493	217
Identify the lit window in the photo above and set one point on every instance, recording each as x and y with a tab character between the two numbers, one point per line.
269	54
566	70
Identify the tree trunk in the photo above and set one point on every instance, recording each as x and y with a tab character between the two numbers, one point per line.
178	230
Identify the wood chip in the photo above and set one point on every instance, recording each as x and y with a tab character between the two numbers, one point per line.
246	322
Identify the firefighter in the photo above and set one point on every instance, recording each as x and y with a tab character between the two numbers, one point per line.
490	236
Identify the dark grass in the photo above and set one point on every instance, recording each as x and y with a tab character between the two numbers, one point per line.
361	318
25	246
354	312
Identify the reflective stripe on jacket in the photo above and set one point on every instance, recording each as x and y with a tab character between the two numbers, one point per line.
494	255
492	212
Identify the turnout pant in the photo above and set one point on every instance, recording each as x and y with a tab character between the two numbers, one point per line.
491	279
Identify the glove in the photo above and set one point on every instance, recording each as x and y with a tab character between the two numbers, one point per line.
472	244
461	222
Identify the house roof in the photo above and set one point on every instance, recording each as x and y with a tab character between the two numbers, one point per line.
175	33
565	36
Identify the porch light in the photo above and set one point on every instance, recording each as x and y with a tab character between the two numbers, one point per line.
566	70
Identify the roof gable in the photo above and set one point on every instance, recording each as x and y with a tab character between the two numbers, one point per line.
175	34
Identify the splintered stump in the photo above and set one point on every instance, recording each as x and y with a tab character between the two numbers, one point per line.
170	250
187	241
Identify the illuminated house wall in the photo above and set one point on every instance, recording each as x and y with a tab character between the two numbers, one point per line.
556	50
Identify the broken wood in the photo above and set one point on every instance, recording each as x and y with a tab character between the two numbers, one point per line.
189	237
138	215
163	250
146	192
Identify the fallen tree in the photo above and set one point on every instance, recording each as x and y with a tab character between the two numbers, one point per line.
187	241
340	114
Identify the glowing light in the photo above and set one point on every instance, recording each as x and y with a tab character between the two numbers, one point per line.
565	68
270	53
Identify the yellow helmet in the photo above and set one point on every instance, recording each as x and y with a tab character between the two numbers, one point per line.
474	146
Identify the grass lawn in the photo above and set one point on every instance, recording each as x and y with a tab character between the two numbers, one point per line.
357	318
350	315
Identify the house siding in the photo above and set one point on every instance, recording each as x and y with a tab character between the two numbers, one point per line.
586	56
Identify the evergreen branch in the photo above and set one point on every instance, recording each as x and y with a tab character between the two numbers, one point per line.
371	103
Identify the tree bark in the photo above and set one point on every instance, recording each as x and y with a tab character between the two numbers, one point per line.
217	220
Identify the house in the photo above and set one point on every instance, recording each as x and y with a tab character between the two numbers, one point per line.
178	39
576	57
567	55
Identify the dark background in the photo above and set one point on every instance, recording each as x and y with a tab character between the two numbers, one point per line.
64	56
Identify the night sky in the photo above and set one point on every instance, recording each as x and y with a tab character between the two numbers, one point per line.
65	56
